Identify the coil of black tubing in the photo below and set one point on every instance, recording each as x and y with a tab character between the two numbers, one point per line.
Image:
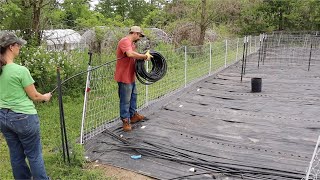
157	72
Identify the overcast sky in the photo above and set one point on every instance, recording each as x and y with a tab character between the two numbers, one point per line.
93	3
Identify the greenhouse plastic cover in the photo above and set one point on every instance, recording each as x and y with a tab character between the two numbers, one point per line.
61	36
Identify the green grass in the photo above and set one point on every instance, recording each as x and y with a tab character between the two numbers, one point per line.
51	141
4	160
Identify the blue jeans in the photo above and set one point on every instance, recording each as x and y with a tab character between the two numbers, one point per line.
128	99
22	133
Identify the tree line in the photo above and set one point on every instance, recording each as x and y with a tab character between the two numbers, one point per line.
176	17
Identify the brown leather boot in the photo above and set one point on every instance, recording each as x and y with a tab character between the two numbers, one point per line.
136	117
126	125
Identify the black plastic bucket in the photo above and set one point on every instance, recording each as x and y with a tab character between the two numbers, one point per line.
256	84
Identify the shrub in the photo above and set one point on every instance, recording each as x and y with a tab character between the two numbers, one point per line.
43	64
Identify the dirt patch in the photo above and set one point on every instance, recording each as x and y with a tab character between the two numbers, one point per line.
118	173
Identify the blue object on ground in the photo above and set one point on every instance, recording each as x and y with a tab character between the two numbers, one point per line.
135	156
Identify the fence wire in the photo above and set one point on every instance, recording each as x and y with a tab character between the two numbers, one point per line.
300	51
313	171
186	65
292	50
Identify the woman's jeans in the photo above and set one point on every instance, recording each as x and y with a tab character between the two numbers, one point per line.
128	99
22	133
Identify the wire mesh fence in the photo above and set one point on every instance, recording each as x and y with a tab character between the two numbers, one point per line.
99	96
297	53
186	65
288	49
313	171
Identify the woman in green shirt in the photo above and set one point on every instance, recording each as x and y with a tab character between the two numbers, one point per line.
19	121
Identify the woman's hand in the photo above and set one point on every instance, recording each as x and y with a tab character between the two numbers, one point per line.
34	95
47	97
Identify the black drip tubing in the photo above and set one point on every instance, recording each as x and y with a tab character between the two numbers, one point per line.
158	70
229	169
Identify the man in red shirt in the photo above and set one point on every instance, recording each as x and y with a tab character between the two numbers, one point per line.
125	76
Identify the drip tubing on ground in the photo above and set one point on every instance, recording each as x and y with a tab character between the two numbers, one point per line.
228	168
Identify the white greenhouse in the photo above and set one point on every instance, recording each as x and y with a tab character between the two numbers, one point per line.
61	39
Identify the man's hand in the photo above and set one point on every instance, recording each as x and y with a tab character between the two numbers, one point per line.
149	56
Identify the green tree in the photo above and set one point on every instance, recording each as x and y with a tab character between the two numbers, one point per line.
252	20
304	15
139	9
199	16
27	16
9	11
276	12
156	18
127	9
314	14
74	9
96	19
112	8
106	8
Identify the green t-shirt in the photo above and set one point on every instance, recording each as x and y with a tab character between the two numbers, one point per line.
13	80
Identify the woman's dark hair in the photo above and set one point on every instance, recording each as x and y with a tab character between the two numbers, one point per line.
2	61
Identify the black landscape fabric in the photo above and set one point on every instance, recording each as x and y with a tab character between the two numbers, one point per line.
218	128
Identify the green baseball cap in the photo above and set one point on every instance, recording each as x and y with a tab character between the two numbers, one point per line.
8	38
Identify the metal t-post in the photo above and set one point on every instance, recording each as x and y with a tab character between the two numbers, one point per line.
185	66
246	55
87	90
264	47
255	44
64	139
226	54
243	54
310	55
250	38
210	63
237	49
259	51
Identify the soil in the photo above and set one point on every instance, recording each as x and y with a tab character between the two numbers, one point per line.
116	173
